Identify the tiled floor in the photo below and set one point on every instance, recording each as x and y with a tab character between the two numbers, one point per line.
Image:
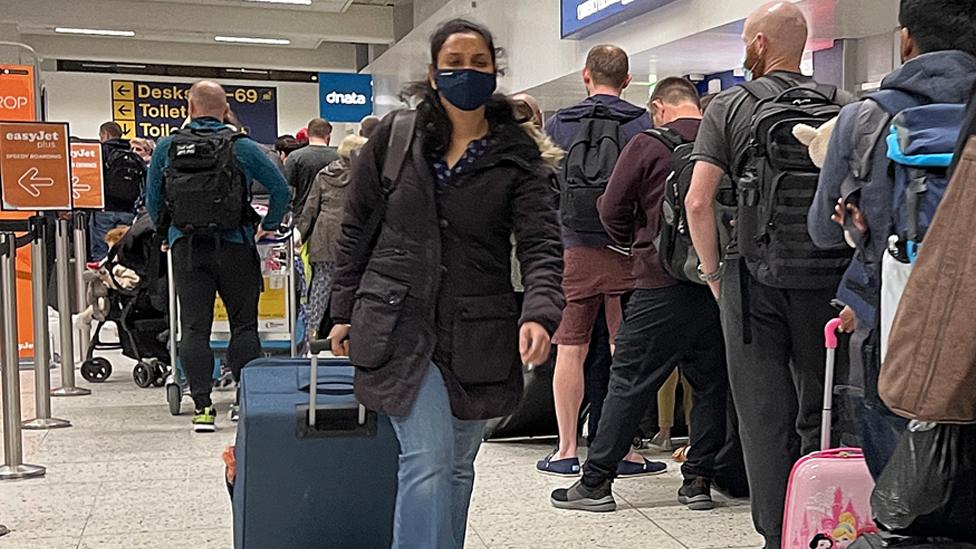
129	475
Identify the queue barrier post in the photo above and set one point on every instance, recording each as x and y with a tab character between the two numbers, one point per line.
81	252
42	352
13	444
65	324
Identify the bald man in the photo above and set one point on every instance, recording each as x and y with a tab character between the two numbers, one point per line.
774	340
213	247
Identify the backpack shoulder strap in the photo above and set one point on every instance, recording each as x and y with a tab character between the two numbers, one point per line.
894	101
398	147
765	88
871	125
671	139
827	90
760	89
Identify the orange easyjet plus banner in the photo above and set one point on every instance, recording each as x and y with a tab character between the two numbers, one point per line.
17	101
35	166
86	176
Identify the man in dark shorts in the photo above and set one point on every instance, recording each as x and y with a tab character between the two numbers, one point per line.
595	274
666	320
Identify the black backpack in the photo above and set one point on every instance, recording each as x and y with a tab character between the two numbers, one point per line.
674	245
124	176
204	187
587	168
776	184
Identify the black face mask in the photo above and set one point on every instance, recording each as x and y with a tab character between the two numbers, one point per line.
466	89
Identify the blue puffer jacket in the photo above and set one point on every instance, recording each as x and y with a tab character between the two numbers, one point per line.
938	77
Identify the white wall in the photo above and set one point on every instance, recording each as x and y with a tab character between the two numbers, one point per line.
529	31
84	100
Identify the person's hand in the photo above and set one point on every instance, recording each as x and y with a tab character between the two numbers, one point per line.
716	287
339	336
164	247
848	320
842	210
534	344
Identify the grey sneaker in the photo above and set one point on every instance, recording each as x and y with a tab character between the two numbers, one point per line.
696	493
579	497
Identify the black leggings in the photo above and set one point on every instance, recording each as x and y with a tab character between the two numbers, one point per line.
203	270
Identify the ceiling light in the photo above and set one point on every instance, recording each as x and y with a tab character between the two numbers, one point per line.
296	2
249	40
95	32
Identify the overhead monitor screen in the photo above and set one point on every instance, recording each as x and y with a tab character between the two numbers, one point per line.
584	17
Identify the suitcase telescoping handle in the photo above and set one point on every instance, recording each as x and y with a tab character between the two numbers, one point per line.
830	341
316	348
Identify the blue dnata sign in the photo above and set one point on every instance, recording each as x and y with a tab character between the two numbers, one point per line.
584	17
345	97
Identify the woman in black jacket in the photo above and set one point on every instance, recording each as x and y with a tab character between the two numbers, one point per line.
436	335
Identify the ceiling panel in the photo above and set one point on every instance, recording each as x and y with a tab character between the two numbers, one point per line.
183	31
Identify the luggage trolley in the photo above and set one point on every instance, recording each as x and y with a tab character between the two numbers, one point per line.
278	326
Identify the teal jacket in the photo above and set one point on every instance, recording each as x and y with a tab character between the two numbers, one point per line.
253	162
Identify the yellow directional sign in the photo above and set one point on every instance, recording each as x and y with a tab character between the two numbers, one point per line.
157	109
122	90
128	128
124	110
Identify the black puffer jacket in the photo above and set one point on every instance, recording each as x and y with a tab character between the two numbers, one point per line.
437	285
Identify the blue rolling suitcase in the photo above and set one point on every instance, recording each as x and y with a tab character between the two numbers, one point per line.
311	477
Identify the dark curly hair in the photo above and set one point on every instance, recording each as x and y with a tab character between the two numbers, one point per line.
818	538
435	125
940	25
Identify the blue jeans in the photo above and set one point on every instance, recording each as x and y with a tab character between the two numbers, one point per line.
436	476
101	224
881	429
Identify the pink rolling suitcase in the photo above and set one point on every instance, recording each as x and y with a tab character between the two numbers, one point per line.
828	500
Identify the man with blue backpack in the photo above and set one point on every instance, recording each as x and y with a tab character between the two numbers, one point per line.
882	180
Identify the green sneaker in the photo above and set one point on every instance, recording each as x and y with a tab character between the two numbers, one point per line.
204	421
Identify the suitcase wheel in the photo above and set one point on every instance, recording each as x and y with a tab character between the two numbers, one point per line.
174	397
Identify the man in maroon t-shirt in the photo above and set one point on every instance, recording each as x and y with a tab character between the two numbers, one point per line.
665	320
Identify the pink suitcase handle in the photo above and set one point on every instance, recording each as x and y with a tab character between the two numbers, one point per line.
830	340
830	332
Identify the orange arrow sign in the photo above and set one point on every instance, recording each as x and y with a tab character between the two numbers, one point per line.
35	172
86	171
33	184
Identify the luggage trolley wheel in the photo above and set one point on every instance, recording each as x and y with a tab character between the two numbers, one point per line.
174	397
161	371
96	370
144	374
